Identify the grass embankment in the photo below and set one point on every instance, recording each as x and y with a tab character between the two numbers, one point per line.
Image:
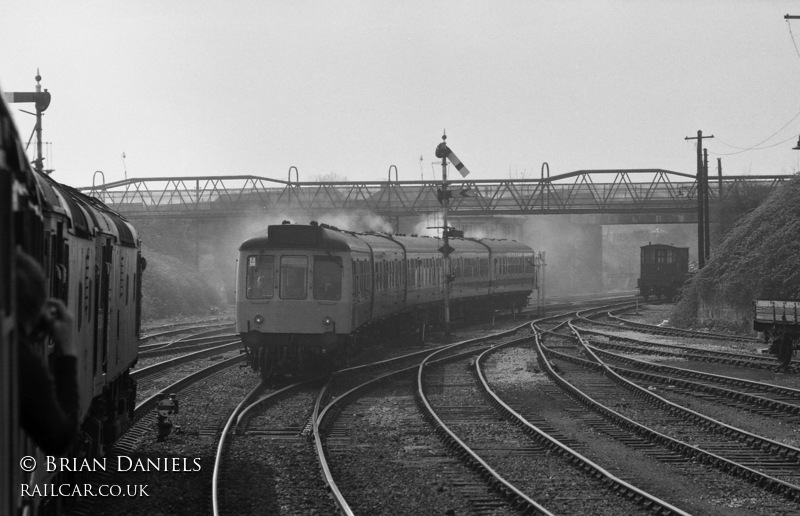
172	287
759	258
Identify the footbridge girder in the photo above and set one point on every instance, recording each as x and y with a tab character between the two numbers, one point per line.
609	192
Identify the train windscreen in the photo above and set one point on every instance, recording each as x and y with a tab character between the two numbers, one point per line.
260	278
294	274
327	278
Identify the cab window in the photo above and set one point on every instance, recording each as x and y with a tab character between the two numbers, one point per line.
294	274
328	278
260	277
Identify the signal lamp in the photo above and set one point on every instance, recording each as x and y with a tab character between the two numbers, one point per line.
258	319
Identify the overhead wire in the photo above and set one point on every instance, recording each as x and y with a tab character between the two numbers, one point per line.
757	146
751	148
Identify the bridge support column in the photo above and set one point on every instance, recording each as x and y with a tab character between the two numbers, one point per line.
574	254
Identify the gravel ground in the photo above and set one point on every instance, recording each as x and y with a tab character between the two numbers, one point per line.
391	463
284	471
686	485
185	488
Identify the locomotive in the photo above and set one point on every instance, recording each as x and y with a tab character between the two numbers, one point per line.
664	268
92	262
314	293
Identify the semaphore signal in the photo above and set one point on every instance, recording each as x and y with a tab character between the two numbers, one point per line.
444	196
443	151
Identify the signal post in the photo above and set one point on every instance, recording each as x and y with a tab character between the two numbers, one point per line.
444	196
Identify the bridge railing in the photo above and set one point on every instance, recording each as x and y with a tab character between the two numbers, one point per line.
576	192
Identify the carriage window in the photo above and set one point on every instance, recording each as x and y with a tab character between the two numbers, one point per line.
328	277
260	276
294	283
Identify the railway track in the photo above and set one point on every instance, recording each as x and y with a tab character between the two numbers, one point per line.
515	453
378	454
372	432
640	412
269	439
205	398
188	327
540	473
615	316
666	348
186	339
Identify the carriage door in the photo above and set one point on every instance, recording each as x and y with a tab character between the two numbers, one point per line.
102	287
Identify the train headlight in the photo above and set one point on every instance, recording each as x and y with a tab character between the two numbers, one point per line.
327	321
258	319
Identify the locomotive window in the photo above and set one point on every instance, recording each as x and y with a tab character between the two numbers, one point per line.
328	278
294	282
260	276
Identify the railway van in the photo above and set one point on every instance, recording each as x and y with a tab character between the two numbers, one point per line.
664	268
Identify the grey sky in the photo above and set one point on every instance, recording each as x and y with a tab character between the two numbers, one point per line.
353	87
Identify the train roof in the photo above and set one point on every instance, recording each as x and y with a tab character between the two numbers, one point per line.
662	246
302	236
506	246
86	214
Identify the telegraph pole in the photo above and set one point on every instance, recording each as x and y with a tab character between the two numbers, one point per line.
701	192
706	216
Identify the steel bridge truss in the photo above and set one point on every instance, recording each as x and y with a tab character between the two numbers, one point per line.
584	191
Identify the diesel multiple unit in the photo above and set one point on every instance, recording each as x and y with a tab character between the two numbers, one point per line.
306	292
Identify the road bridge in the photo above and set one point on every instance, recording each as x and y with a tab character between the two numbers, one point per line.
611	196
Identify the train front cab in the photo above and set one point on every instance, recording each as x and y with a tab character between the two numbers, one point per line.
294	303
